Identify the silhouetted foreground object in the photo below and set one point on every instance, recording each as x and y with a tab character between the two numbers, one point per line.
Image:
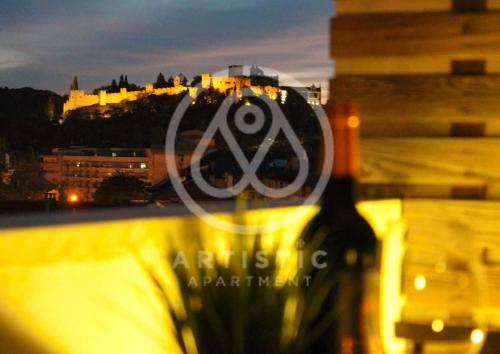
346	322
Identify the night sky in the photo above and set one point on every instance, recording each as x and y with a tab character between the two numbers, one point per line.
44	43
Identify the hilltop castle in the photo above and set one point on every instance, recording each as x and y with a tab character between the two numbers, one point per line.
234	83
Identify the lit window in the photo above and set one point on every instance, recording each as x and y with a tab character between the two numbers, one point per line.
143	165
113	154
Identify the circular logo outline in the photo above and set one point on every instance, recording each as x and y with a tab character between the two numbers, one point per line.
220	122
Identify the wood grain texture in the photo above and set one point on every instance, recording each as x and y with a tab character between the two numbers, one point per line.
464	168
455	232
413	42
421	105
388	6
377	6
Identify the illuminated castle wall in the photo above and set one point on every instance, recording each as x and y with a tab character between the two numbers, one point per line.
78	98
231	84
227	85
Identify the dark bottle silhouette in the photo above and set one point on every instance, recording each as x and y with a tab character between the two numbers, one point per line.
343	295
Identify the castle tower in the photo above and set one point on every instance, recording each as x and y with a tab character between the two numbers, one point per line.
74	84
206	81
103	98
235	70
256	71
73	97
123	93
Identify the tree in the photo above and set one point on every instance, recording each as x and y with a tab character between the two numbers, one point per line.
50	108
160	81
114	86
170	82
74	84
27	181
122	82
120	188
184	80
3	151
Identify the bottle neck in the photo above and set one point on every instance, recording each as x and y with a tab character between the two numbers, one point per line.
339	193
344	122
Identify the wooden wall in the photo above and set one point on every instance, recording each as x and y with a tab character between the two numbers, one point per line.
426	75
389	6
424	105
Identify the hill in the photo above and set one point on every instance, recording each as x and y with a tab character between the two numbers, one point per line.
27	116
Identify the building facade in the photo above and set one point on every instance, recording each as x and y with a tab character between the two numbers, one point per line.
80	170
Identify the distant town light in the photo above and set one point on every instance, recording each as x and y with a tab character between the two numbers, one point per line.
477	336
73	198
284	94
420	282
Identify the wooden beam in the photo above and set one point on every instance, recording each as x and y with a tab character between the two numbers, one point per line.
388	6
423	105
414	43
456	232
460	168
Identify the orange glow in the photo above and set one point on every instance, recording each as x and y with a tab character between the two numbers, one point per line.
353	122
73	198
345	123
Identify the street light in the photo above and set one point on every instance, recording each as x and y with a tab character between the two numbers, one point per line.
73	199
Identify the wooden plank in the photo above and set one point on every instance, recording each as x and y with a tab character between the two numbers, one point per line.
453	232
463	168
423	332
388	6
374	6
414	42
423	105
